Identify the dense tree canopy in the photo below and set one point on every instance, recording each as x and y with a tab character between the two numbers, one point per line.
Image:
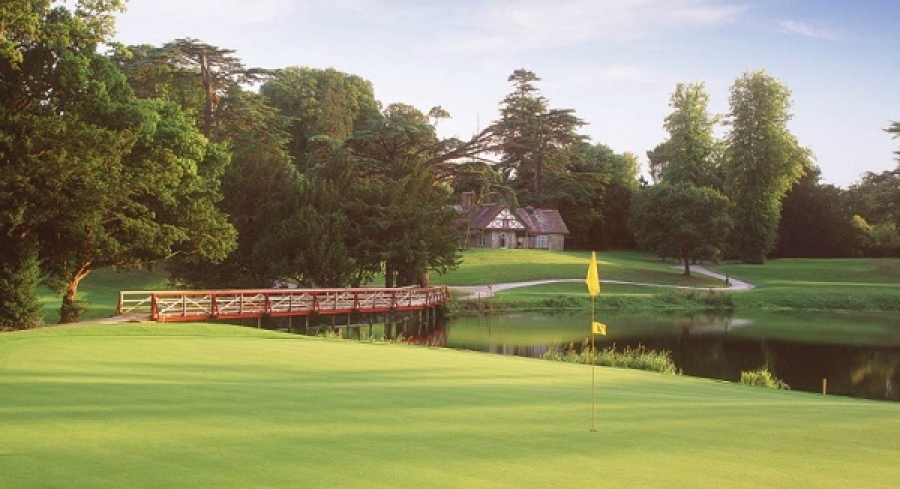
92	176
688	155
323	108
815	221
532	137
763	161
681	221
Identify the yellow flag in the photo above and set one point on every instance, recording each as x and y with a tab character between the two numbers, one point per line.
598	328
593	278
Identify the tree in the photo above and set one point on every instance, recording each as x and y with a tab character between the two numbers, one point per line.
407	169
763	161
815	221
593	196
22	21
155	200
681	220
153	73
532	137
688	155
19	280
874	202
38	43
324	108
260	177
218	71
93	177
196	75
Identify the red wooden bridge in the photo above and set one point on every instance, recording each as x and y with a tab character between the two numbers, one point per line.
199	305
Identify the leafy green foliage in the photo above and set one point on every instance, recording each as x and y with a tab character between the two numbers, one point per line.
93	177
19	280
532	137
761	377
593	196
688	155
324	107
635	358
815	222
763	161
683	221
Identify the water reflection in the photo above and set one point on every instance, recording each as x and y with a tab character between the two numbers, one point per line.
858	354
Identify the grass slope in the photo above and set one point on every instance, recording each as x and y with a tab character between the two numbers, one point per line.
200	405
482	266
859	284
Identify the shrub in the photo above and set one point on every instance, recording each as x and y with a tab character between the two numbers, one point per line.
19	280
564	302
761	377
635	358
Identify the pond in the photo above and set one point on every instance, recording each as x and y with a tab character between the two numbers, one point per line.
858	353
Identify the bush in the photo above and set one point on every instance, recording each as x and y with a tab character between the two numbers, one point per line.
761	377
564	302
635	358
19	280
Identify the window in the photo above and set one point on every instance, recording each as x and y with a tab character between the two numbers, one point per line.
542	242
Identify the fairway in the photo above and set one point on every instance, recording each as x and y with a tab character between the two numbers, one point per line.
217	406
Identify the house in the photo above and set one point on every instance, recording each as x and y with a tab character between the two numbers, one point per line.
499	226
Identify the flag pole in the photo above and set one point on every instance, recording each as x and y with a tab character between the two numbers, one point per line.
593	285
593	368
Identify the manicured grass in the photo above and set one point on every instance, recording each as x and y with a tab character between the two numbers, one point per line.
801	284
215	406
100	291
853	284
482	266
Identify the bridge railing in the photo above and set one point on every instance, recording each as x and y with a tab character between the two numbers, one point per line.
198	305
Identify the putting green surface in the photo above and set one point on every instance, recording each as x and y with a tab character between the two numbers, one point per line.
218	406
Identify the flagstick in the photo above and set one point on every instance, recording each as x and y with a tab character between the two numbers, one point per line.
593	368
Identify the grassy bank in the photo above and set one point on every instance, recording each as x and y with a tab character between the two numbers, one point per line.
487	266
803	284
850	284
200	405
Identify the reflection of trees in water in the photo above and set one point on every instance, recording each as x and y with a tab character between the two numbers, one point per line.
704	344
877	375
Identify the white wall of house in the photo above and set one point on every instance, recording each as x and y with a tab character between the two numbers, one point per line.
511	239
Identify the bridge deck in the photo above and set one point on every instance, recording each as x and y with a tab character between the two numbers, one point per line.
198	305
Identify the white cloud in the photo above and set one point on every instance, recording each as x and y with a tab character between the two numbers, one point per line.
804	29
535	24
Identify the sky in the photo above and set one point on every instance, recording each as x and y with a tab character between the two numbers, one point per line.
615	62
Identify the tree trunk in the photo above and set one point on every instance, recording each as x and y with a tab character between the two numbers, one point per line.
687	266
71	308
388	275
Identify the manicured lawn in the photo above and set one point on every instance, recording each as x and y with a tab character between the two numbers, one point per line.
215	406
861	284
487	266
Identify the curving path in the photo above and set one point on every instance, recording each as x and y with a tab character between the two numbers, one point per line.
482	291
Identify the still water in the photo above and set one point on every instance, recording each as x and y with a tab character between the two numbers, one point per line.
858	353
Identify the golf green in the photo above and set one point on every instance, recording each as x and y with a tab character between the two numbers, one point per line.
192	405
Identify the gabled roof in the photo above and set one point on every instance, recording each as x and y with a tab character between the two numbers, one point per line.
535	221
543	221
